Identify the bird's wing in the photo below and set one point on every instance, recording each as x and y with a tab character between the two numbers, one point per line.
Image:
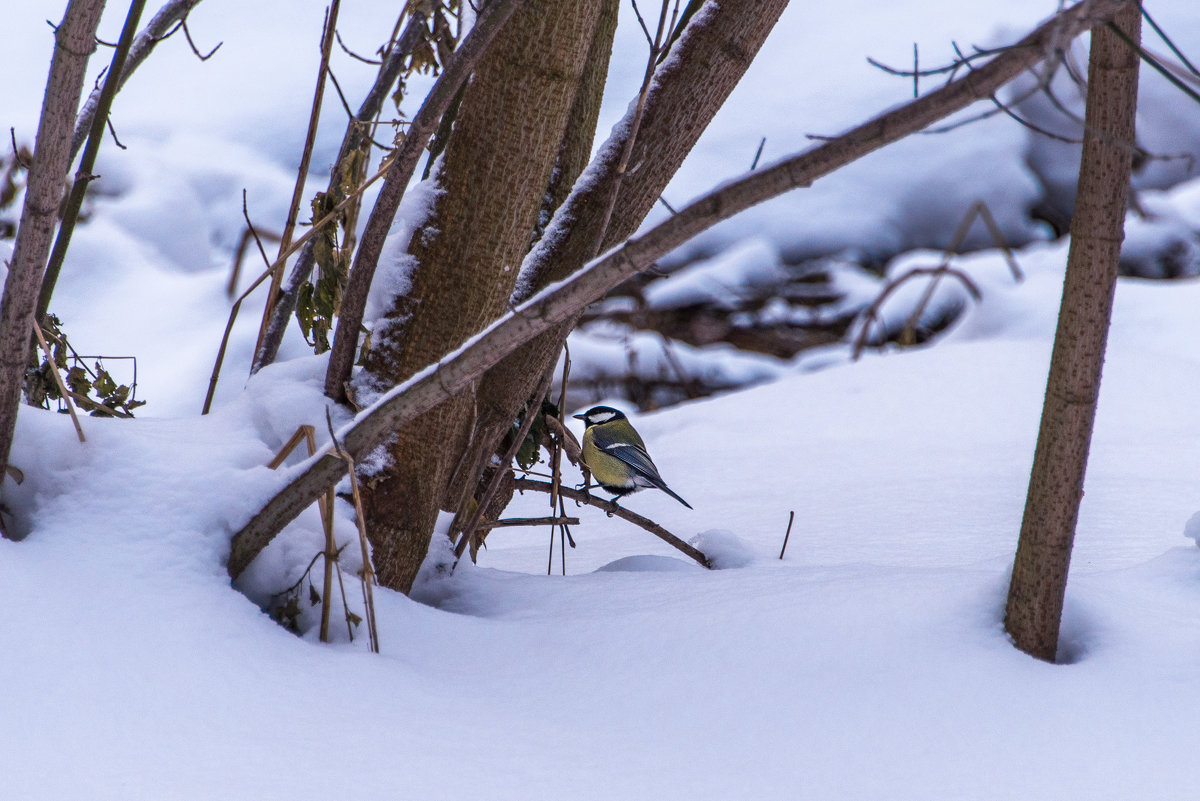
632	454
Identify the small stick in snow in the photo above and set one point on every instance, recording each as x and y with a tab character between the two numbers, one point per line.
788	533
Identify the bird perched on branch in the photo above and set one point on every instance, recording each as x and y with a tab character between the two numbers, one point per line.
616	455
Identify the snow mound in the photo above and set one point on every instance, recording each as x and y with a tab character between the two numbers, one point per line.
1191	529
723	549
647	563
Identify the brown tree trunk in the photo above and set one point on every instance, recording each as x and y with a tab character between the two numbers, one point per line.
574	153
1039	578
706	64
74	42
492	181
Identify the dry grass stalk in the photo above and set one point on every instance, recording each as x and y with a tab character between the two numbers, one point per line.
788	533
331	17
282	259
306	434
368	571
62	388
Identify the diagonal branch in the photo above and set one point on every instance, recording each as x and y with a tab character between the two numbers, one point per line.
160	27
559	302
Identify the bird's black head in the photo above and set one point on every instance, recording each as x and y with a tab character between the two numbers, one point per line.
600	414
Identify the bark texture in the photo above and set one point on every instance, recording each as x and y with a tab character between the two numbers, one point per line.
74	42
492	18
493	178
705	65
1039	578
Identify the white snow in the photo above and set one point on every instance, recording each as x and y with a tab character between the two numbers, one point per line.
870	662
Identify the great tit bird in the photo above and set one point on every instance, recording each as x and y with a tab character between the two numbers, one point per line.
616	455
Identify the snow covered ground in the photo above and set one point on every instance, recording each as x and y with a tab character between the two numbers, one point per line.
868	663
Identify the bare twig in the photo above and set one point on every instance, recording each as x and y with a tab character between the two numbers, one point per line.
239	252
757	155
374	61
161	25
1167	40
616	510
192	43
556	461
509	522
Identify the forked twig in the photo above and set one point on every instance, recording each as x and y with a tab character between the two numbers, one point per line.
908	332
621	512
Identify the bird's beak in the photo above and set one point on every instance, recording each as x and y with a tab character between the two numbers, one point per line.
579	416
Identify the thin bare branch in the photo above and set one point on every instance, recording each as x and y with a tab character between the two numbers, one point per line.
168	19
310	138
87	163
613	509
202	56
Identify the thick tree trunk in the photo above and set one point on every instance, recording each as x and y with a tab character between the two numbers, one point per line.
574	153
492	181
74	43
706	64
1039	579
